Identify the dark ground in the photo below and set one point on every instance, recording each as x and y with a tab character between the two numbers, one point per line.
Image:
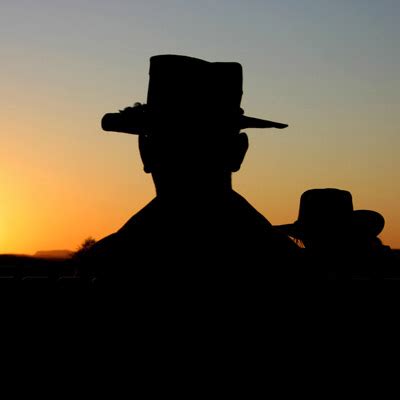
17	268
27	268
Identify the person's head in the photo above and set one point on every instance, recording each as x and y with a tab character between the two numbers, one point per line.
188	159
189	129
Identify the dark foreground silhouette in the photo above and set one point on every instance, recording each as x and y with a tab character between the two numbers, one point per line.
26	270
16	269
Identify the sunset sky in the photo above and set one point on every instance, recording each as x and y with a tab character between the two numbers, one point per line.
330	69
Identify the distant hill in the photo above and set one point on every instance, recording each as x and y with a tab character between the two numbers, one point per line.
52	254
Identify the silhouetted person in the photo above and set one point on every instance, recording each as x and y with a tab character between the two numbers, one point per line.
339	242
197	228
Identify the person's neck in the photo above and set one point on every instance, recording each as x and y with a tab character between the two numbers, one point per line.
202	196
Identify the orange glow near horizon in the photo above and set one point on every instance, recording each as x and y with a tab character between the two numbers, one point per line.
51	201
46	233
45	210
58	189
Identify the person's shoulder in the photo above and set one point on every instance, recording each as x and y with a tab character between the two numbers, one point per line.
261	227
245	210
101	248
116	242
142	219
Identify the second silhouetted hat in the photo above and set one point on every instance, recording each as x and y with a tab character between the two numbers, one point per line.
185	89
331	211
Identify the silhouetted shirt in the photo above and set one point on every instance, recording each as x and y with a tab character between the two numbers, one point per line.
227	238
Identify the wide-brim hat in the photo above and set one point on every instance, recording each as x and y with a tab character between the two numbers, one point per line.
330	211
188	91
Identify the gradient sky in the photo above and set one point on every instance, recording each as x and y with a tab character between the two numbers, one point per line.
328	68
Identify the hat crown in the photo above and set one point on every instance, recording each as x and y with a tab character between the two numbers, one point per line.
327	207
190	83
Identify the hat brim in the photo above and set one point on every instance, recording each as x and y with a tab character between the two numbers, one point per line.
250	122
368	223
133	123
365	223
137	121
